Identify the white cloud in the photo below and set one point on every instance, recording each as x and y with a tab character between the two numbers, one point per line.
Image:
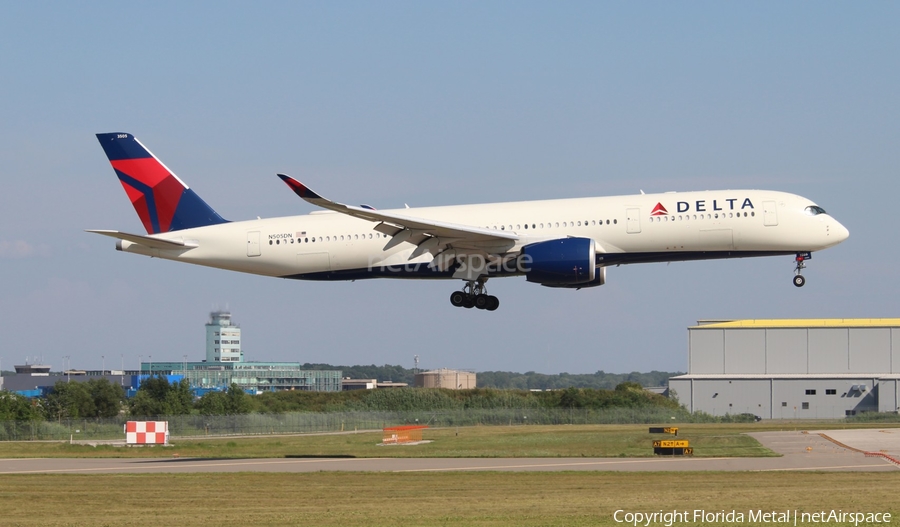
21	249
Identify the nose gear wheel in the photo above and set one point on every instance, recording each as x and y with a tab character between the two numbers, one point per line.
799	279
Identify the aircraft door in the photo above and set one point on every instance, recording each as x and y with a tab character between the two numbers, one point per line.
253	243
633	221
770	214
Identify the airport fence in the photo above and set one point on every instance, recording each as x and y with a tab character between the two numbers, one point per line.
308	422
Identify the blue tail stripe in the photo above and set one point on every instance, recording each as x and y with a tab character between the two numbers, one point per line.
192	212
116	147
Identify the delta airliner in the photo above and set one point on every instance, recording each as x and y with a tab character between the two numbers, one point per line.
564	243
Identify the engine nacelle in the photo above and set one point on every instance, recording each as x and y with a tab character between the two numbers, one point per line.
599	280
566	262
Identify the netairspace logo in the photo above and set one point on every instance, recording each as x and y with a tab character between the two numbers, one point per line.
722	517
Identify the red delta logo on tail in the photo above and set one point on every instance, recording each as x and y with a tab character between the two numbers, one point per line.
152	189
162	201
659	210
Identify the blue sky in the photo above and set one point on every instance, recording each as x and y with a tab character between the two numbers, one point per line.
431	103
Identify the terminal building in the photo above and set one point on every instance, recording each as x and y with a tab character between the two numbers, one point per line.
224	365
792	369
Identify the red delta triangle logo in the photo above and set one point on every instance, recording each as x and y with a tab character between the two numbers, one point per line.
659	210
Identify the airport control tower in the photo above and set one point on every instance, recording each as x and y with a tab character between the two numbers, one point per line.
223	339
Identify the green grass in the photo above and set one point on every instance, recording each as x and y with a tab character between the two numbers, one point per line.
422	499
478	441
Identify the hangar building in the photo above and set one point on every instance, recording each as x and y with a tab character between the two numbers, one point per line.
792	369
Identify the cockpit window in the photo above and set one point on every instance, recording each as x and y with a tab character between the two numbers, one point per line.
814	210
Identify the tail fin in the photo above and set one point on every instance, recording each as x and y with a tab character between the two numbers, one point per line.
163	202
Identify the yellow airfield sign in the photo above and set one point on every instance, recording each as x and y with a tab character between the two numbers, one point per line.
669	444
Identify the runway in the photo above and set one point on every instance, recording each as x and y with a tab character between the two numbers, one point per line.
800	452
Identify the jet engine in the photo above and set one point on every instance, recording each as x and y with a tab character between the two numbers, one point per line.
566	262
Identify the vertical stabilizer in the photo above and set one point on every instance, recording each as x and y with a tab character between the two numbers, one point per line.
162	201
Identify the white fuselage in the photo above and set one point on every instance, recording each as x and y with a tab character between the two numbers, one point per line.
626	229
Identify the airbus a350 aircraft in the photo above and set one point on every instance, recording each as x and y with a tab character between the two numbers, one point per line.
565	243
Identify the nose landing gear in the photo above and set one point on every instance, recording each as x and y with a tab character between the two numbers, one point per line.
801	258
474	294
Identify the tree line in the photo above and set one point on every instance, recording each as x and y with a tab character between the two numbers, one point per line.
625	395
158	397
507	380
98	398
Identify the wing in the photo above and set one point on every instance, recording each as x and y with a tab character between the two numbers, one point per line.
427	235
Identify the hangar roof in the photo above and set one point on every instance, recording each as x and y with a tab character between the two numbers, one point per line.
799	323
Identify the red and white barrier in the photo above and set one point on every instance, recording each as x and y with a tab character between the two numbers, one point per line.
147	433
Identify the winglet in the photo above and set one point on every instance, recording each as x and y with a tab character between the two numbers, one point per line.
299	188
311	197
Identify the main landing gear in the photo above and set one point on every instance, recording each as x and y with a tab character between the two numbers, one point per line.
474	294
801	258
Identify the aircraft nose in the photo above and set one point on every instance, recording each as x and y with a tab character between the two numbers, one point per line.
839	232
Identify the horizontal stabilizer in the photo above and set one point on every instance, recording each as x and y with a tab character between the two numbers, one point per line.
146	241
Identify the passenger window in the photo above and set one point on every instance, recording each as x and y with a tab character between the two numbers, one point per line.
526	226
532	226
614	221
